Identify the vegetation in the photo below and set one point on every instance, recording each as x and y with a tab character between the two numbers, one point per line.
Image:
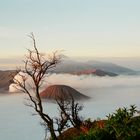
121	125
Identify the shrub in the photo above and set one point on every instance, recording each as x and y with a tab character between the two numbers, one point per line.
121	125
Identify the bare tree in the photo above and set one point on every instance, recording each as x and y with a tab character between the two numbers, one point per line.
36	67
70	110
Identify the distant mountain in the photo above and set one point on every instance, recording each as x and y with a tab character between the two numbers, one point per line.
6	79
96	72
111	67
75	67
70	66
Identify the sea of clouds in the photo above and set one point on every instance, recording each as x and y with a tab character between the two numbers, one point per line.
107	94
114	91
82	83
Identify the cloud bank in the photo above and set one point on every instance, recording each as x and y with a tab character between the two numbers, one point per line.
82	83
107	93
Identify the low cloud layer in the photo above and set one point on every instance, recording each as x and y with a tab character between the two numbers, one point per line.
84	82
89	81
107	93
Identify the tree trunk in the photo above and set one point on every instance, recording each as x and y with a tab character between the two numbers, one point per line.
53	135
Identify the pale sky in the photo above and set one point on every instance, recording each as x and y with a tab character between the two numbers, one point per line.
93	28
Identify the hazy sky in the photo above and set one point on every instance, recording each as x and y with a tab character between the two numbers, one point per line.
95	28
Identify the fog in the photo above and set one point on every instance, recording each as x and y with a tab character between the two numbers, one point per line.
107	94
83	82
114	91
92	82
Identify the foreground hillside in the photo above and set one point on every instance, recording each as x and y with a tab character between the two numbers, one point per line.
121	125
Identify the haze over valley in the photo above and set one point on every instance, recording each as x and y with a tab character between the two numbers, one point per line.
106	95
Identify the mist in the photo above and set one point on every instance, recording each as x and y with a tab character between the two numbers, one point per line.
114	91
107	94
83	83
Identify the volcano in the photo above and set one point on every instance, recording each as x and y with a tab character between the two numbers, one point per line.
55	92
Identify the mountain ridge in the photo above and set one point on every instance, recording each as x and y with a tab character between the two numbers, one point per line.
74	67
71	66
